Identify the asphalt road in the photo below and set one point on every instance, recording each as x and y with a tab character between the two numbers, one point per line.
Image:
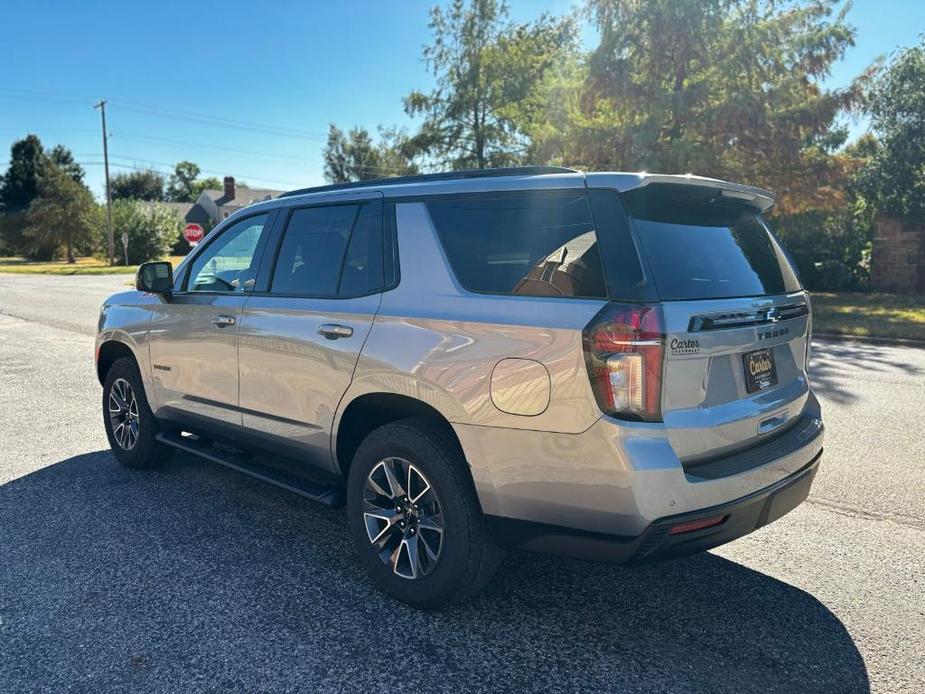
195	578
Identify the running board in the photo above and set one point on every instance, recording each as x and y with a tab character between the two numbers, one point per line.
329	495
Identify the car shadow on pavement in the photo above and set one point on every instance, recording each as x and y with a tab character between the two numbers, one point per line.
831	363
193	577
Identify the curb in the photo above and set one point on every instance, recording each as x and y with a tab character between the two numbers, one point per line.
896	341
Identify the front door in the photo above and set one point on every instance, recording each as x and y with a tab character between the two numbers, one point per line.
194	334
299	342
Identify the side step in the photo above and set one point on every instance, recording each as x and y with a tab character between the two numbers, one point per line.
327	494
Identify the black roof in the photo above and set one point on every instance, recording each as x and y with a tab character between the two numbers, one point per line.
446	176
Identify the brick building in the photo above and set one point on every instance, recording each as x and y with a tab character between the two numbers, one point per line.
897	262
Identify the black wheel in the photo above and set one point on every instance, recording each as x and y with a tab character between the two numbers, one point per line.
130	424
415	518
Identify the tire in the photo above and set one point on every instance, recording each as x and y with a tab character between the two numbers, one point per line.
133	444
466	556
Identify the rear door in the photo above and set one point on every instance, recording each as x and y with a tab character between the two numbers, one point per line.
299	342
736	319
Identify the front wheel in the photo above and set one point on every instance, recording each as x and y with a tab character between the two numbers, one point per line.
130	424
415	518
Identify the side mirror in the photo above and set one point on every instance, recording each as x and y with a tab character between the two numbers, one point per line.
154	278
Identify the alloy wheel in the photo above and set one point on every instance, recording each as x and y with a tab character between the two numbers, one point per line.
123	414
403	518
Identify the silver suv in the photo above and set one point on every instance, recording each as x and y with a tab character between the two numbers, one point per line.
602	365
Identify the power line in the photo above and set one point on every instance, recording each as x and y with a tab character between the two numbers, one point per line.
215	121
236	150
218	121
207	147
176	114
159	166
42	96
52	128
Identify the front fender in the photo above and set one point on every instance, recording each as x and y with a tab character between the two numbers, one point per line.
124	318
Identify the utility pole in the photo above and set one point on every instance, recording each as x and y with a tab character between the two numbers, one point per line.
112	250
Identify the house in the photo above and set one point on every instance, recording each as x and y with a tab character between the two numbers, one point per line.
212	206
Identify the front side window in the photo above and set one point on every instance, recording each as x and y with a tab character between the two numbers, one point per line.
533	245
229	264
330	251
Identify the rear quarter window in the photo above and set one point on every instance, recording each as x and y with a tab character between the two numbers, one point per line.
521	244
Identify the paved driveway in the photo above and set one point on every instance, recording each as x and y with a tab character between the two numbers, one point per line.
195	578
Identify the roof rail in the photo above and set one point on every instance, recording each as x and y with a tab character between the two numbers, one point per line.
445	176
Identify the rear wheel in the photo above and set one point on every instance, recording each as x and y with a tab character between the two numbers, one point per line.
415	518
130	424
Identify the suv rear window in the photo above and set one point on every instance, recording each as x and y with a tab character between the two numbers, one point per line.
535	245
702	247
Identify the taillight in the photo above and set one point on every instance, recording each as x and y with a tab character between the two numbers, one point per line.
624	345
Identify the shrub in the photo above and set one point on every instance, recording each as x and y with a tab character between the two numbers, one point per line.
830	249
152	229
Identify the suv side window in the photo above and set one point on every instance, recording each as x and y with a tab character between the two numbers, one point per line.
529	244
330	251
229	264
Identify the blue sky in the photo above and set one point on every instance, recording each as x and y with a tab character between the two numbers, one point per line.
175	73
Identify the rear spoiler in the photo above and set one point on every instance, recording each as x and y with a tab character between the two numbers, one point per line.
623	182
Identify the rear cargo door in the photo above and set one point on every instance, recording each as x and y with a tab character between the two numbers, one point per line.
736	319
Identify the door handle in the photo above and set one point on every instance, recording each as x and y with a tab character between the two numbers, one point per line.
332	331
223	321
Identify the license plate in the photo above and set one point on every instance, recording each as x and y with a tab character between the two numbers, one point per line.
760	371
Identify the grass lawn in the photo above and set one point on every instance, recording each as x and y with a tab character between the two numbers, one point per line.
870	315
83	266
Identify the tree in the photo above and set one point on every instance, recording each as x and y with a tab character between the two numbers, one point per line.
895	177
487	74
181	184
353	156
209	183
724	88
138	185
20	184
64	216
61	157
151	228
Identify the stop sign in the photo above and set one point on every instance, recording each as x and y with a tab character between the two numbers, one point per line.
193	233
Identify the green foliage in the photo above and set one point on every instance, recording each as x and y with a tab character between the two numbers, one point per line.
207	183
724	88
152	229
831	249
184	184
181	184
353	156
895	177
20	184
62	217
138	185
62	157
488	72
20	187
832	246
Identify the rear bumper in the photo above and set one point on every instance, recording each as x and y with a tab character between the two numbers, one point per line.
656	542
621	479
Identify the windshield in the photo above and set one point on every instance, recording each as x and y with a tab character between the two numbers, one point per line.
700	250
